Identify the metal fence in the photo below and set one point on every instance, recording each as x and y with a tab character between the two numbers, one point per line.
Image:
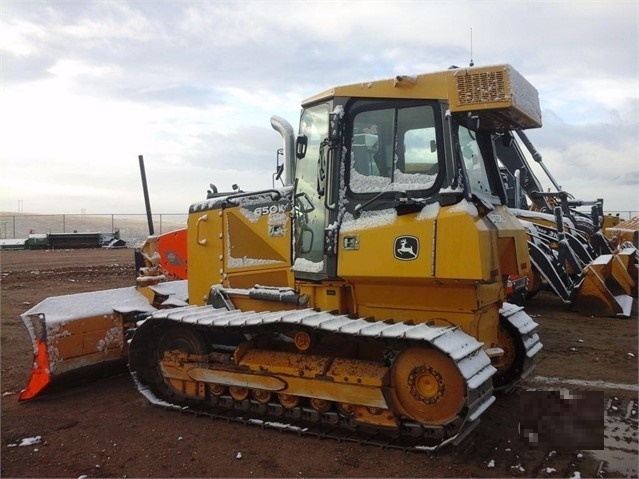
132	227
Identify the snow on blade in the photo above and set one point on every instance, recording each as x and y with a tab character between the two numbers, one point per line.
96	303
113	338
177	289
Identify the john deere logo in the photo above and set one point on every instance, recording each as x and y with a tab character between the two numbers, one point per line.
406	248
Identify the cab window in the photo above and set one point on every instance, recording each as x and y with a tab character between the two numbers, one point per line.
394	149
474	162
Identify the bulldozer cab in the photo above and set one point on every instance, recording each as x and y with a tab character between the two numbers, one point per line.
357	156
396	146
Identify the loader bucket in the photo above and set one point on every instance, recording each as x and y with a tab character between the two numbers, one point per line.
606	288
628	257
75	335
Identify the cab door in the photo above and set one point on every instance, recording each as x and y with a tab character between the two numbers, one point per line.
310	210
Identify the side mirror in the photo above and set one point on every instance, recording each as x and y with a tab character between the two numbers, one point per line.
473	122
301	144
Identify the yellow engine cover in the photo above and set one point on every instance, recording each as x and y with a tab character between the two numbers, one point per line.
239	244
450	243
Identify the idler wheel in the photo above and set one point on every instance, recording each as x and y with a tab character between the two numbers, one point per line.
510	365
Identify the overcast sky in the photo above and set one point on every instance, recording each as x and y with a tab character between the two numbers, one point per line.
87	86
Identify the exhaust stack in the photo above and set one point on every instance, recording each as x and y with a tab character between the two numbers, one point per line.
285	129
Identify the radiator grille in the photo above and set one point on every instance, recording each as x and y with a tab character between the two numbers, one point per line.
481	87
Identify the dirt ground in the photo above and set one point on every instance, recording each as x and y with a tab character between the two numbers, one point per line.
107	429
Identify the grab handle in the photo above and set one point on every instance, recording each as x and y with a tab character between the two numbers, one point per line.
201	242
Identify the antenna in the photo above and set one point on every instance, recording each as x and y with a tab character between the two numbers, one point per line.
472	63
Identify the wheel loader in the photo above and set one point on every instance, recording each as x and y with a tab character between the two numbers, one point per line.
363	299
570	251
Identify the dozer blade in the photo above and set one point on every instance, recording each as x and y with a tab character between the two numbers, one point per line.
606	288
76	335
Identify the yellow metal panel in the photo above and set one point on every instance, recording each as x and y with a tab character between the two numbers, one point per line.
594	298
256	241
432	85
620	275
291	364
366	373
334	391
327	296
375	256
423	302
485	326
205	247
512	242
466	246
86	360
274	276
499	94
627	258
350	381
97	334
499	88
296	374
416	302
469	306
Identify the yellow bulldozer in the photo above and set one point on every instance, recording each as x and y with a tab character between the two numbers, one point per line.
365	297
